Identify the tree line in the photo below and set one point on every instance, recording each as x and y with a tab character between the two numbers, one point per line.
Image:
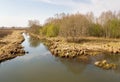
79	25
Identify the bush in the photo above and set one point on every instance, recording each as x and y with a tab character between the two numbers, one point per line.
50	30
96	30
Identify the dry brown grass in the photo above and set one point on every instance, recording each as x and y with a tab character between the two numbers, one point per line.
4	32
91	39
10	44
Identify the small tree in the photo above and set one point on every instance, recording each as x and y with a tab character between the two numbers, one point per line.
34	26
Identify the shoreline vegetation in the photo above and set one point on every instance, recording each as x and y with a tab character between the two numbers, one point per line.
80	35
87	47
70	36
94	46
10	44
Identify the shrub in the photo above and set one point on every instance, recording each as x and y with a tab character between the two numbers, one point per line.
96	30
50	30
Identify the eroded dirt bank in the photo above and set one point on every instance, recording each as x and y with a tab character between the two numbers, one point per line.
10	45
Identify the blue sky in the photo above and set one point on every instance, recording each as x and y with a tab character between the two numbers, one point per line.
18	12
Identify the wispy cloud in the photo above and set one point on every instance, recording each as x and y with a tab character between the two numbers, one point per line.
58	2
83	6
18	12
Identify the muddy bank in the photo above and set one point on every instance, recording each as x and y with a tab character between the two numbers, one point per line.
10	45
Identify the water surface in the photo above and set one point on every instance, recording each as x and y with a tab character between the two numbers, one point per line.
39	65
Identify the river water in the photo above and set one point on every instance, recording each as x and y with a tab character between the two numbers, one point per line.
39	65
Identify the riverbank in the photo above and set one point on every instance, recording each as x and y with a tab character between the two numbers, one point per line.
91	46
10	45
84	49
86	46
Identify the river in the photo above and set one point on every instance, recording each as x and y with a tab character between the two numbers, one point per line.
39	65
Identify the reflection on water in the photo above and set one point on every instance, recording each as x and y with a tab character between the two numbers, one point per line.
40	66
34	42
73	65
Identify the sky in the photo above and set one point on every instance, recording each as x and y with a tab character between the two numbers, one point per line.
18	12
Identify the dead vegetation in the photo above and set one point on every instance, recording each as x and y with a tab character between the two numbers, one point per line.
4	32
10	44
90	39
